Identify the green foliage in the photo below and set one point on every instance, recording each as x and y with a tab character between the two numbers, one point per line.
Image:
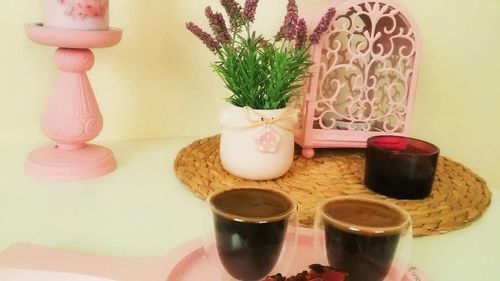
261	74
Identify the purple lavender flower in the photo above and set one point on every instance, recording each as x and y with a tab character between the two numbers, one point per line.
249	10
289	29
301	33
233	10
322	26
205	37
218	25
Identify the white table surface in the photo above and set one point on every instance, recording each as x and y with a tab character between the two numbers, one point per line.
143	210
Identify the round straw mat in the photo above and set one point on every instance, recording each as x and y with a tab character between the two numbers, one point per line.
459	196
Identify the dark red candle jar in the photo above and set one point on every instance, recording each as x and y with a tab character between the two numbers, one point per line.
400	167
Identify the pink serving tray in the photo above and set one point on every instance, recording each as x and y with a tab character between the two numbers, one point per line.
186	263
193	266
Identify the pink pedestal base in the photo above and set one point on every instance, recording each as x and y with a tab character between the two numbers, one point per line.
52	163
72	116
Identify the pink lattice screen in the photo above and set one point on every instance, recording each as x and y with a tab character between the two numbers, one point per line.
364	77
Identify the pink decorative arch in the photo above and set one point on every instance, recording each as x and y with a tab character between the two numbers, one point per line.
364	77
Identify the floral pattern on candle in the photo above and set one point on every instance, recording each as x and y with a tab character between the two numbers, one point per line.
84	8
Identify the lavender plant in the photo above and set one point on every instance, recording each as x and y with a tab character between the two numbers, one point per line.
261	73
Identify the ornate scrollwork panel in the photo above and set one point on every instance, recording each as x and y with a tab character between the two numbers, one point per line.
366	70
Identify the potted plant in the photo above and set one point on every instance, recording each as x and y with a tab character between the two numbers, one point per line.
257	139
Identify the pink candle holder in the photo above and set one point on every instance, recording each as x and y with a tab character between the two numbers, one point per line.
72	116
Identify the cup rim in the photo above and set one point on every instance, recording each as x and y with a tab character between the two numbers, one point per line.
368	230
369	142
261	220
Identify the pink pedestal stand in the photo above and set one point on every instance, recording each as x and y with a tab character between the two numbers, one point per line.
72	116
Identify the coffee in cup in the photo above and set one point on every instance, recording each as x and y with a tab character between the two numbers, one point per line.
361	236
250	226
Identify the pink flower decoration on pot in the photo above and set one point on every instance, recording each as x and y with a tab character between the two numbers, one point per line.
268	140
85	8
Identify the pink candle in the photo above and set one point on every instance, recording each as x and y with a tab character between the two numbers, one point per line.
77	14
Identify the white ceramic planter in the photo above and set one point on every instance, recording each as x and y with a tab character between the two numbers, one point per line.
76	14
257	144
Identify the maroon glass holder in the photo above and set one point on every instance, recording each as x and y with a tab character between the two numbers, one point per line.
400	167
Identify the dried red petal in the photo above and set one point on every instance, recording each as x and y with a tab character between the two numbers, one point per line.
317	273
317	268
332	275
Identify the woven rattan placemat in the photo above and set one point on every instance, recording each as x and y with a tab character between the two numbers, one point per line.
459	196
